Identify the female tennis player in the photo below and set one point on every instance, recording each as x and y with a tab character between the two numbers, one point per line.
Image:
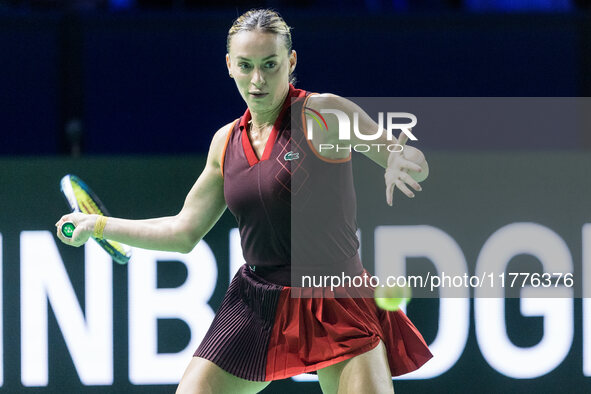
263	331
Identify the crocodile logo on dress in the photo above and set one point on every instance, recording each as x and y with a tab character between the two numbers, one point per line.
291	155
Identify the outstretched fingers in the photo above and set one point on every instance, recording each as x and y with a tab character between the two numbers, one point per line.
397	176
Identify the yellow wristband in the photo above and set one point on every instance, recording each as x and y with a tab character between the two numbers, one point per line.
99	226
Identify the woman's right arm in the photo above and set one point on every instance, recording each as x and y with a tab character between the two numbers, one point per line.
203	207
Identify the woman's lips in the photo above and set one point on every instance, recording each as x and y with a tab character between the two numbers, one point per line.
258	94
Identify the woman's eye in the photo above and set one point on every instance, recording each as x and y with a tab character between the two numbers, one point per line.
271	65
244	66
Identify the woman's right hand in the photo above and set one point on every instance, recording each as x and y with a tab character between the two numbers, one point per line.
84	228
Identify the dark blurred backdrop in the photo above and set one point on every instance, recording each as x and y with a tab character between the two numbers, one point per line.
87	77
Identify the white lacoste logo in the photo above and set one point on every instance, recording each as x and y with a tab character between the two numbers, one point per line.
291	155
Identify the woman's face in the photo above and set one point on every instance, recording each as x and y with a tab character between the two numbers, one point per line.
260	64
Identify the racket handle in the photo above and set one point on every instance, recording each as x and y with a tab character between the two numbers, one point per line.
68	229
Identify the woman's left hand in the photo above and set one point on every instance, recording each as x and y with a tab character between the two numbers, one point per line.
398	168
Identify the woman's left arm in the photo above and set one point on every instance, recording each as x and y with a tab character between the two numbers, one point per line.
403	169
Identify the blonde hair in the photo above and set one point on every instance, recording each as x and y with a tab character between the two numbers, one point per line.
266	21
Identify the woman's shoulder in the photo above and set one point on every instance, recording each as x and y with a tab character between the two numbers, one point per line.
321	100
328	101
219	141
222	134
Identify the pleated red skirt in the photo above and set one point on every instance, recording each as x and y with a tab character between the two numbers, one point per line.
264	331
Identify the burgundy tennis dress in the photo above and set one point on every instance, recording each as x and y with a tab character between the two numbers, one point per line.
265	329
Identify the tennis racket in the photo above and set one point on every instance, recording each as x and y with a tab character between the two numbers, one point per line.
82	199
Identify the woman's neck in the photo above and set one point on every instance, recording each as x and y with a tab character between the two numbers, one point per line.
263	119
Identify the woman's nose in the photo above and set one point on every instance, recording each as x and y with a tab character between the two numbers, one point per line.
257	78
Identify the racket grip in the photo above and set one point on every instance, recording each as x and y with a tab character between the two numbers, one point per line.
68	229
